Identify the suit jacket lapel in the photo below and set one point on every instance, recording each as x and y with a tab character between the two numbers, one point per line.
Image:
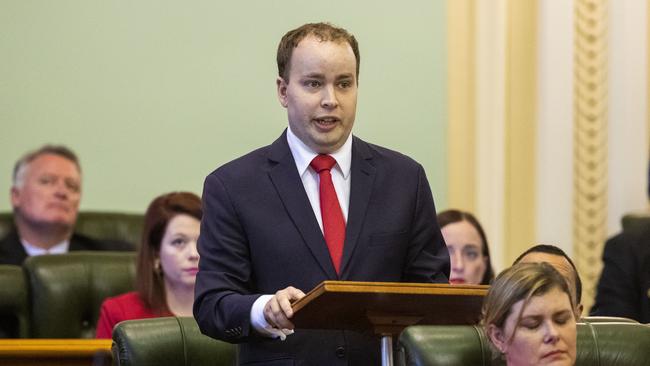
287	182
14	250
361	187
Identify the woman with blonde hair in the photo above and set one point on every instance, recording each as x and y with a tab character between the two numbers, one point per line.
528	316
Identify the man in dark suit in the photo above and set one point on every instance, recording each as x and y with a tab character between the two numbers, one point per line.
277	223
624	285
45	196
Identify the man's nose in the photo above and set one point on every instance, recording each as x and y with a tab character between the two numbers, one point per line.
61	190
329	100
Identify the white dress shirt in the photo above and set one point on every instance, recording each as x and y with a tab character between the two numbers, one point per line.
32	250
340	172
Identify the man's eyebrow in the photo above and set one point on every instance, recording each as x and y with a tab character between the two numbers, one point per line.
345	76
314	75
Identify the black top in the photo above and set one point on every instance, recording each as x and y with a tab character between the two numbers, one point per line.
13	252
624	285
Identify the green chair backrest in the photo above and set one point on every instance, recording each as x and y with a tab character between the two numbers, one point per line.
66	290
170	341
598	344
98	225
635	222
14	308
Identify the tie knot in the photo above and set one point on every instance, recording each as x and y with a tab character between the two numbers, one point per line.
322	162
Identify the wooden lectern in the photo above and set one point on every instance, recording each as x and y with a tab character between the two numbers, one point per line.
385	308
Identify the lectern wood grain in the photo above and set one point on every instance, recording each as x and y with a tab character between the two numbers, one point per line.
387	307
54	351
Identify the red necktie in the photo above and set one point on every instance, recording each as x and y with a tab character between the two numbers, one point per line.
333	221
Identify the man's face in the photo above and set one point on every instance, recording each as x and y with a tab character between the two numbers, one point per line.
321	94
49	193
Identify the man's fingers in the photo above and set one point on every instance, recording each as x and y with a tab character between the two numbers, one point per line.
278	319
278	309
294	293
286	297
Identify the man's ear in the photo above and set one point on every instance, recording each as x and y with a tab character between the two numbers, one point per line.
282	91
497	337
15	196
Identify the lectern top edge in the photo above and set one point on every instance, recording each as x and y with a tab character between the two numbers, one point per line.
390	288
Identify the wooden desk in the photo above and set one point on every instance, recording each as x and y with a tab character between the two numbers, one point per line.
22	352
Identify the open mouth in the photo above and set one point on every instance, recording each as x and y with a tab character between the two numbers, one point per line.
326	122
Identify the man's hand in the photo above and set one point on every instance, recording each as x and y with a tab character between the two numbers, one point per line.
277	311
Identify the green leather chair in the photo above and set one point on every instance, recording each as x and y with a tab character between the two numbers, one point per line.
97	225
606	319
66	290
599	344
171	341
14	308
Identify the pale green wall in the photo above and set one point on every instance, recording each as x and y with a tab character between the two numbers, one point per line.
153	95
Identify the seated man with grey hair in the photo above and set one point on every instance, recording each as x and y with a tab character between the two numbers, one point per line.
45	196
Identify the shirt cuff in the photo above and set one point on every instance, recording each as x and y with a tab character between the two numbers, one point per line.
259	323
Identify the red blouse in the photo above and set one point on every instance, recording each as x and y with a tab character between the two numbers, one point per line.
127	306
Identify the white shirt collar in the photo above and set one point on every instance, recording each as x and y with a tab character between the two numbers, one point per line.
32	250
303	155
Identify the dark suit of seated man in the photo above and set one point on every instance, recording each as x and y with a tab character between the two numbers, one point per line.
624	285
45	196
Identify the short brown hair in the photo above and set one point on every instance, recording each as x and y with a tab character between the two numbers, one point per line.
60	150
557	251
519	282
324	32
149	284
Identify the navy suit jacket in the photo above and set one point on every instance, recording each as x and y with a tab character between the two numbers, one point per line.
13	252
624	285
259	235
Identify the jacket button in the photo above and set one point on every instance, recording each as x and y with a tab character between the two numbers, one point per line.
340	352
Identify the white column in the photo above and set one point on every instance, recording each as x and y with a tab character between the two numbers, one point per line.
628	103
555	124
490	122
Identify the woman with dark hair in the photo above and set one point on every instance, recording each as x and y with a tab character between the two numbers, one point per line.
469	253
166	266
528	316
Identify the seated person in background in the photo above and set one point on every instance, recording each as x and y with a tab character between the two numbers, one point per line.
45	196
166	266
528	315
624	285
468	248
557	258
